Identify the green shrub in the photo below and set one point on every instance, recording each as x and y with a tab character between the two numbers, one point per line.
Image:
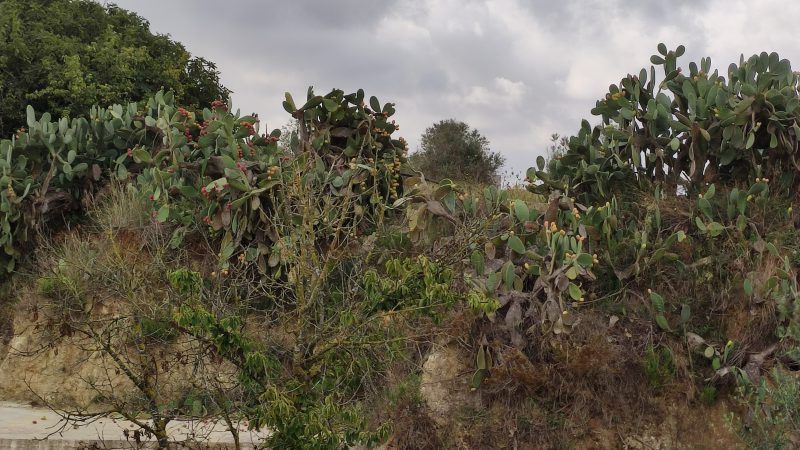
708	394
774	419
658	365
450	149
156	331
186	282
64	56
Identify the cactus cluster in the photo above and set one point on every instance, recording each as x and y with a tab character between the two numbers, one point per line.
47	169
343	148
216	169
688	129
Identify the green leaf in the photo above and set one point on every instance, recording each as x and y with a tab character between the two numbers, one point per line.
516	244
757	188
741	222
772	249
521	210
572	273
584	259
449	201
163	214
477	379
709	352
141	155
314	101
492	282
686	313
290	101
478	262
375	104
30	116
748	287
657	60
710	192
705	206
662	48
575	291
480	358
751	138
508	274
743	105
330	105
657	301
540	162
715	229
662	322
700	225
122	172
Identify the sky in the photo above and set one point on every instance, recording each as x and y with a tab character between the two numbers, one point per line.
517	71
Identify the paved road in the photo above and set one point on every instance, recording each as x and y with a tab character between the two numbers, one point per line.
23	422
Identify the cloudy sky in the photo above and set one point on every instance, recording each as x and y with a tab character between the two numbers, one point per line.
516	70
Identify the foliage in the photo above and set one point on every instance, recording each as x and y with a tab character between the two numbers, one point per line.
50	169
418	283
126	339
296	230
658	365
343	152
64	56
294	215
687	129
604	237
450	149
341	258
775	419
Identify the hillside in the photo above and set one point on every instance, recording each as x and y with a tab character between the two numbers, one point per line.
163	264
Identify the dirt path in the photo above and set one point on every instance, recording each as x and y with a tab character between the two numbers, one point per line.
23	422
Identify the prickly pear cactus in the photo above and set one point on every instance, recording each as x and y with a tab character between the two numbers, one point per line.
688	128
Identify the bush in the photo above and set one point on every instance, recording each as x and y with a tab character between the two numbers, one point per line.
774	416
450	149
64	56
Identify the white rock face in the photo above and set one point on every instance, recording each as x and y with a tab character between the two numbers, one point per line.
445	383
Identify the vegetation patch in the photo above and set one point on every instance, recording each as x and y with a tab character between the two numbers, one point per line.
307	279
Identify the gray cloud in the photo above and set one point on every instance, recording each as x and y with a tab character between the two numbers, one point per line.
516	70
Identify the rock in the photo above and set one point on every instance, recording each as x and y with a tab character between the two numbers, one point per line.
444	384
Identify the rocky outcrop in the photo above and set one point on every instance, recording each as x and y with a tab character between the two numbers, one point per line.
444	383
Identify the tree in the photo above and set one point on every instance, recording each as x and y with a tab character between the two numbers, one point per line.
110	315
64	56
450	149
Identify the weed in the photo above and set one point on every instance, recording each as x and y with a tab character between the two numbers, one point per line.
708	394
658	365
774	419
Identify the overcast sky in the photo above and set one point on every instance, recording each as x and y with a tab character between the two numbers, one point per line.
518	71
